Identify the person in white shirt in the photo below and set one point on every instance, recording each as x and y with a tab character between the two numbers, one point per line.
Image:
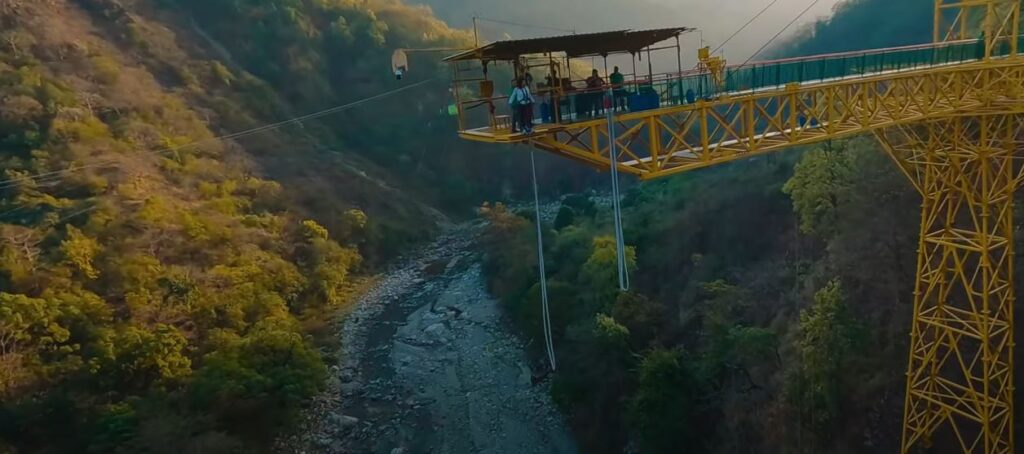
521	103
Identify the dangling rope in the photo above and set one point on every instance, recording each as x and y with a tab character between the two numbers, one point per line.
548	341
613	156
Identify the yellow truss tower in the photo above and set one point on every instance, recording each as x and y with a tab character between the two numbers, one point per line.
960	370
952	121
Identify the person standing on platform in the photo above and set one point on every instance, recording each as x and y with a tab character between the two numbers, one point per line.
618	82
594	94
521	103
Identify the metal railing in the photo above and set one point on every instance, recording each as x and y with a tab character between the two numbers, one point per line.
569	104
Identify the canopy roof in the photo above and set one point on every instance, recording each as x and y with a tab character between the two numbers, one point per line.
583	45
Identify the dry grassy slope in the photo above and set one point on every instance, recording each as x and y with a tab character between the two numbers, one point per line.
159	60
106	82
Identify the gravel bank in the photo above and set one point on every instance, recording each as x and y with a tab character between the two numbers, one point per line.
429	365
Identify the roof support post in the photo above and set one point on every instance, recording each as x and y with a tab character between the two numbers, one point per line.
650	66
633	57
679	56
679	70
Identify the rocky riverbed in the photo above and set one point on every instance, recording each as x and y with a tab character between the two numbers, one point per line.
429	365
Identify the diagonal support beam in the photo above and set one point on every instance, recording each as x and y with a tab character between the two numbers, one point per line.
960	372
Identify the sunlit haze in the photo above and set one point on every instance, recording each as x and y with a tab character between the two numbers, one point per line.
717	20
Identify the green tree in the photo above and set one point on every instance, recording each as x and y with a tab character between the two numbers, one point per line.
611	333
599	274
21	122
30	329
137	358
571	248
664	411
566	216
264	375
116	425
816	187
827	341
328	265
869	229
562	304
643	317
19	257
511	259
80	251
354	223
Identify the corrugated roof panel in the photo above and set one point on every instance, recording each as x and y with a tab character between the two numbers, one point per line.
602	43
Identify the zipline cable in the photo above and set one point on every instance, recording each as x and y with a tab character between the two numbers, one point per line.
267	127
56	195
752	19
60	220
770	41
545	310
57	175
76	213
43	179
777	35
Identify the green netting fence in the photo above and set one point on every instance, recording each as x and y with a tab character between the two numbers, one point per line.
778	73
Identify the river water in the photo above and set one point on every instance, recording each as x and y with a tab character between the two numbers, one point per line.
429	365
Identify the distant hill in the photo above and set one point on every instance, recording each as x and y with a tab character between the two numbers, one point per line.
717	20
911	24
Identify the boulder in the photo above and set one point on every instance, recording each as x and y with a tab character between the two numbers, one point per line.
438	332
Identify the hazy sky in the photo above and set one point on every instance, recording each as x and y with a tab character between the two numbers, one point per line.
717	19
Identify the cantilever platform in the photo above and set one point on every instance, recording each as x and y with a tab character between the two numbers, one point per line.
491	135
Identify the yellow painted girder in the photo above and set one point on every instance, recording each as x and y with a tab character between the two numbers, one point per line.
662	142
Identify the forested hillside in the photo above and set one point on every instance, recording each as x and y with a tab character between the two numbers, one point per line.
856	25
166	290
771	298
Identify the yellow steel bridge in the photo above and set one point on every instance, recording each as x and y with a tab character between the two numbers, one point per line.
950	114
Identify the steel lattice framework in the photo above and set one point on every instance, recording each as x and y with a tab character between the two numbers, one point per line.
960	372
653	144
955	130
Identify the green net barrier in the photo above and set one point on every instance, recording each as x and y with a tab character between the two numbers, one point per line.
779	73
755	76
